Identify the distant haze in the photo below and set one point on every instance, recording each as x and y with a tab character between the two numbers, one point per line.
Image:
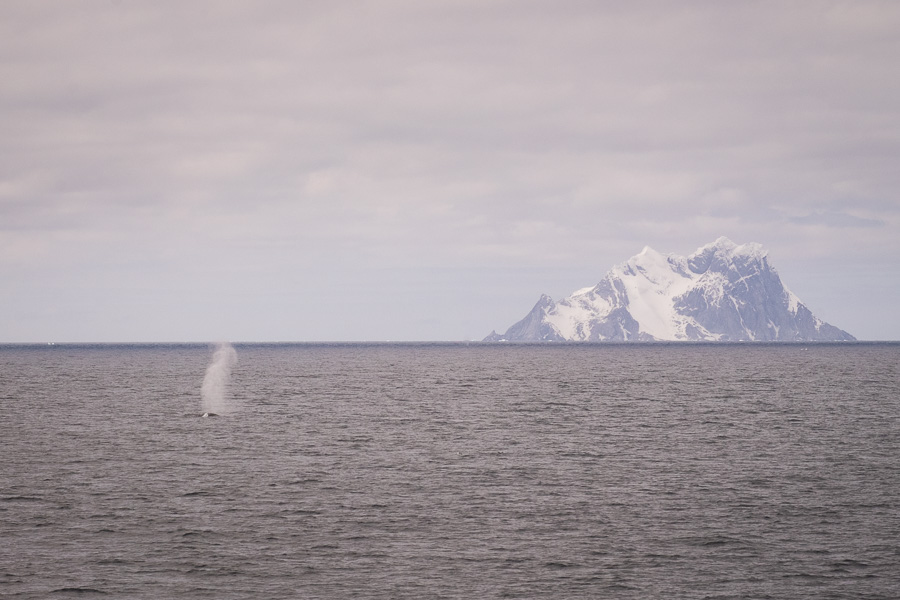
399	170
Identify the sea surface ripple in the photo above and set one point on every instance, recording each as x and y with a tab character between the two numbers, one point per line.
452	471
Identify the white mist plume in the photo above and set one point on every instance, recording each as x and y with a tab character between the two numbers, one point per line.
214	393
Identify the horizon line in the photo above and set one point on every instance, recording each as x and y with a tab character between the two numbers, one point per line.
454	342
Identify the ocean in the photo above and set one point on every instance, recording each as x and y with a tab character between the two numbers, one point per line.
452	471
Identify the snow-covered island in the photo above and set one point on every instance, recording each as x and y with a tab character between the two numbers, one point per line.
721	292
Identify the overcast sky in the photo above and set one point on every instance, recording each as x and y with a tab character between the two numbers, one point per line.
408	170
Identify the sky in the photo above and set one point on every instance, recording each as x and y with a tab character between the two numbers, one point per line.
406	170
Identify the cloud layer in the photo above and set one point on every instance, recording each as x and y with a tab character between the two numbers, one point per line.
408	170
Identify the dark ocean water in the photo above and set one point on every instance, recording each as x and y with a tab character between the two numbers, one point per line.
452	471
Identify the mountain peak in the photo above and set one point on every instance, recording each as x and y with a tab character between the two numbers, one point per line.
724	243
725	247
723	291
648	258
722	253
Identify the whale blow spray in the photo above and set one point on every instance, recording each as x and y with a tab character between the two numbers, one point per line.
214	393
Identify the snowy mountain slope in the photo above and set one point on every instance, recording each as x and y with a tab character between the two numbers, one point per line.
721	292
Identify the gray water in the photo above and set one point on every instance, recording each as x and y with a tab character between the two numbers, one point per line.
452	471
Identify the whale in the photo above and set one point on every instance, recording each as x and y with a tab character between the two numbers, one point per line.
209	414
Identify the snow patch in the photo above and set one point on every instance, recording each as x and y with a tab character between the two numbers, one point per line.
793	302
569	315
652	281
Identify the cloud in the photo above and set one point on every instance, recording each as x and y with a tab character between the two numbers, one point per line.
837	219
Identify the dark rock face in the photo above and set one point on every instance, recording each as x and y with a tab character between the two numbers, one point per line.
722	292
618	326
754	305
